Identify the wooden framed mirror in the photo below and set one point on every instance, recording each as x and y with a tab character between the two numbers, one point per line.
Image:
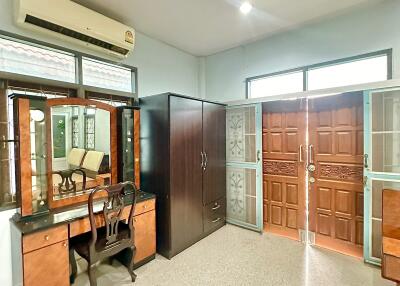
82	149
68	146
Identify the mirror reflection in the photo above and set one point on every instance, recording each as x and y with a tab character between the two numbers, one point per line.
80	149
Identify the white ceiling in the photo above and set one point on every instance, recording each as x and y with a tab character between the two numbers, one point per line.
204	27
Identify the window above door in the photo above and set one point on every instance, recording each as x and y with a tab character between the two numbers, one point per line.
371	67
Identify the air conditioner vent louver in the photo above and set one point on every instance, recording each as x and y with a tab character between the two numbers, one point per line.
73	34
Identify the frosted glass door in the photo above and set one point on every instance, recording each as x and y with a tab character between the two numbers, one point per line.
382	162
244	166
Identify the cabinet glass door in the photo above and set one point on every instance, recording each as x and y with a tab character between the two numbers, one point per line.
382	162
244	166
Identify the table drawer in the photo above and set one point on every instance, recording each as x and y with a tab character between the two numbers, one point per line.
214	214
83	225
44	238
145	206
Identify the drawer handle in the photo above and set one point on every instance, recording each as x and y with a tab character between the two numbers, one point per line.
216	207
65	244
216	220
135	220
145	206
46	237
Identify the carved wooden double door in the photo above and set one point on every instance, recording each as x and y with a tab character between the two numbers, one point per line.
313	170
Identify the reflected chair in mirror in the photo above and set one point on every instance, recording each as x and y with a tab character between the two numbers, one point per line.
114	234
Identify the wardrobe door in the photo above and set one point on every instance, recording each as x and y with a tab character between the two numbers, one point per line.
214	170
186	172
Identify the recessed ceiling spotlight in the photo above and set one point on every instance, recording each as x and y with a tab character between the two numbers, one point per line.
246	7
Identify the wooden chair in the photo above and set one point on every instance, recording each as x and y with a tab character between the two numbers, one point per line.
391	235
106	241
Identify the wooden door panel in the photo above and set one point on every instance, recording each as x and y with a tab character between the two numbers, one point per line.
284	175
336	196
214	146
186	174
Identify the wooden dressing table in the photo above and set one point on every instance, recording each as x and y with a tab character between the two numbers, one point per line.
48	216
40	245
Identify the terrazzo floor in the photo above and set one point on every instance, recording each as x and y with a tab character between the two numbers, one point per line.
235	256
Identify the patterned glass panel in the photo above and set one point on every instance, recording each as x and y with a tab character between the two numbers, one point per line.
90	132
241	195
386	131
75	132
241	135
106	75
30	60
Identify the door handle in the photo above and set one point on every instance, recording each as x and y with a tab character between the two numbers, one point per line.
258	156
366	161
311	154
202	159
301	153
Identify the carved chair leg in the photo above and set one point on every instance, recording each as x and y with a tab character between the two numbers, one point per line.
74	268
92	274
131	263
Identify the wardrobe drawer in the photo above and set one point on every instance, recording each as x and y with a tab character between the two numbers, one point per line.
44	238
214	214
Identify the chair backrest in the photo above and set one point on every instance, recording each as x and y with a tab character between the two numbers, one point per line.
75	157
112	211
92	160
391	213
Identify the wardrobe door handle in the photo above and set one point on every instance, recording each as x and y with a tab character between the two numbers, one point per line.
205	161
202	159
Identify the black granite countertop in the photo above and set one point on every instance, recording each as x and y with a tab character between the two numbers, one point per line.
66	215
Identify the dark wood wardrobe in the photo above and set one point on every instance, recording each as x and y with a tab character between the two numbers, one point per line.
183	163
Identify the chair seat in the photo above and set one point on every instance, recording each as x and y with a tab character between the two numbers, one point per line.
81	242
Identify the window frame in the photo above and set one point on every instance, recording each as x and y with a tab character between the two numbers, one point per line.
305	69
78	62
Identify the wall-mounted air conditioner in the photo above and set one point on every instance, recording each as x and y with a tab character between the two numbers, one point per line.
71	21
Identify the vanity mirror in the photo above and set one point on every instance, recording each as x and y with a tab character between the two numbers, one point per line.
83	149
66	147
80	137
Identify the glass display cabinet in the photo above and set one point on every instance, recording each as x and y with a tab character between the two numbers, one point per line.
7	145
31	153
128	132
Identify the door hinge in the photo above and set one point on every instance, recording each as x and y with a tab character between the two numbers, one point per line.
306	237
311	238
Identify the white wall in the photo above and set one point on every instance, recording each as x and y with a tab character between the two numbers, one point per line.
161	68
5	248
357	32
